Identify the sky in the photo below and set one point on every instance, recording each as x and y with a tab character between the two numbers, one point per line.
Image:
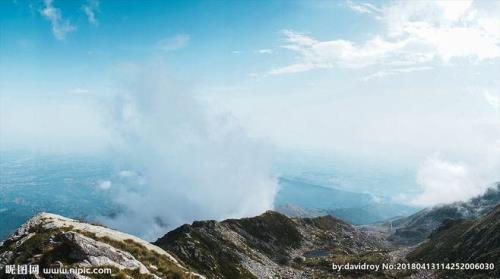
407	84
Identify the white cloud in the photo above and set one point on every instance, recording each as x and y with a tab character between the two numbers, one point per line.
363	8
395	71
294	68
168	135
452	9
338	53
415	33
127	173
443	181
60	26
265	51
448	28
298	39
173	43
90	10
259	51
492	99
104	185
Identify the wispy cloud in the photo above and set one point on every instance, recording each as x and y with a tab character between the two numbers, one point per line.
415	33
60	26
363	8
258	51
395	71
173	43
90	9
265	51
294	68
336	53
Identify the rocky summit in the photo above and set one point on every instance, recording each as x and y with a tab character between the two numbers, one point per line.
272	246
53	241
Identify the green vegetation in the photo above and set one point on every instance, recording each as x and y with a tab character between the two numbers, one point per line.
45	248
156	263
272	233
453	230
205	253
463	241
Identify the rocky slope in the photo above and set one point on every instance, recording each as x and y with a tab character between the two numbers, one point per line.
267	246
417	227
50	240
464	241
271	245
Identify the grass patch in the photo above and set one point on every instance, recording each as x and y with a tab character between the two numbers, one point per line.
165	268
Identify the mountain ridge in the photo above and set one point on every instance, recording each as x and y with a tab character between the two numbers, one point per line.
464	241
417	227
270	244
50	240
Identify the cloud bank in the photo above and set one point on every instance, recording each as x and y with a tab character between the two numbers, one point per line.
193	165
46	125
415	33
444	181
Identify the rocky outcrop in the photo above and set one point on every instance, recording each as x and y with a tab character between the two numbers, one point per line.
268	246
50	240
90	252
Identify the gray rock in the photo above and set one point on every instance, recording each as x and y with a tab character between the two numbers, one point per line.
95	253
5	258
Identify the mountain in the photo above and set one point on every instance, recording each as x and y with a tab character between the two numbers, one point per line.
50	240
267	246
298	198
417	227
464	241
270	245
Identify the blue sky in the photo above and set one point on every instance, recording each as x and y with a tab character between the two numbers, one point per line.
411	83
131	30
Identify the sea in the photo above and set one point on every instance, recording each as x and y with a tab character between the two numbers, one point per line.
71	185
83	186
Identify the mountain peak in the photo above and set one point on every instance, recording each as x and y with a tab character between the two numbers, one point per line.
270	244
50	240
